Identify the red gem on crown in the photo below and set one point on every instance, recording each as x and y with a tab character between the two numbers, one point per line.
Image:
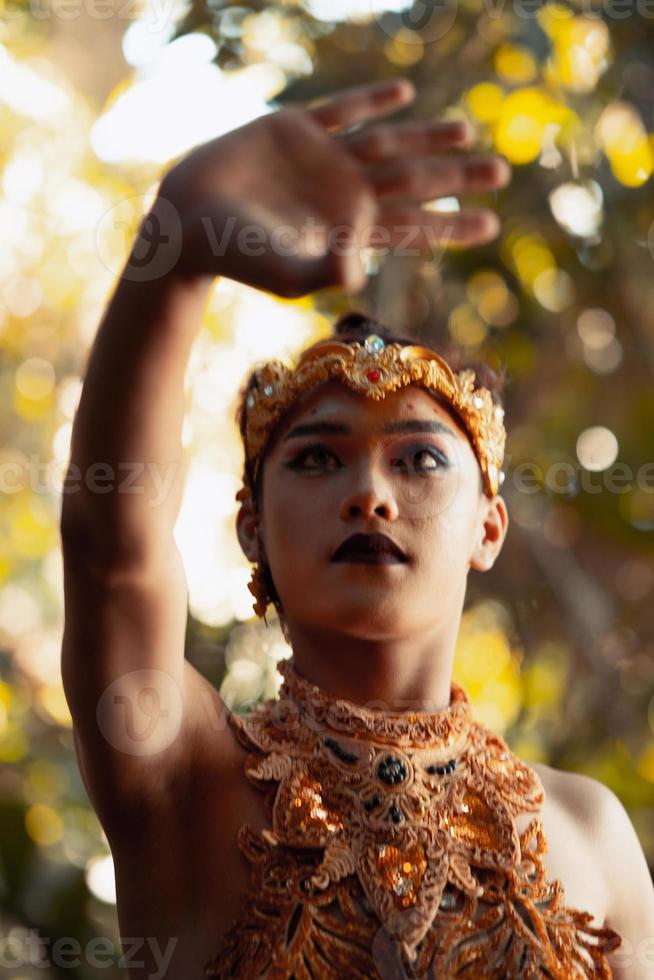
372	375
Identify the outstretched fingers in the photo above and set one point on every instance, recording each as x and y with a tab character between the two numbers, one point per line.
413	230
403	165
421	179
362	103
389	141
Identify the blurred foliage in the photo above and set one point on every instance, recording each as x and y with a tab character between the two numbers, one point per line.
557	645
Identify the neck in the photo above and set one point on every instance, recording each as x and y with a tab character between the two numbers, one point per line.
394	674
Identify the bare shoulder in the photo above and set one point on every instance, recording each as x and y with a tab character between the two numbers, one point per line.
593	807
584	799
616	850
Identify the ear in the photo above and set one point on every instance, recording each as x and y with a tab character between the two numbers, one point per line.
492	529
248	531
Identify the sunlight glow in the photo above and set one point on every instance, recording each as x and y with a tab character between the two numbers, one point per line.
356	10
201	100
578	207
597	448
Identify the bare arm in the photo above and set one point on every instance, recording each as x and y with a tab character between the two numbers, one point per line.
618	857
126	465
123	666
632	893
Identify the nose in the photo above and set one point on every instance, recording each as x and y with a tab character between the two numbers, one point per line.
369	497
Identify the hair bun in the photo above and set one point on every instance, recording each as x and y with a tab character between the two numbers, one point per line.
356	326
353	322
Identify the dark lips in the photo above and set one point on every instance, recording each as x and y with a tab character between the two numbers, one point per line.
371	549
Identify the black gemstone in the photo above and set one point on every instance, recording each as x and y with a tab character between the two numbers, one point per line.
396	814
445	770
371	803
339	751
392	770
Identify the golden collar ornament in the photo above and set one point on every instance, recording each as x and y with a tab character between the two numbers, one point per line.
393	850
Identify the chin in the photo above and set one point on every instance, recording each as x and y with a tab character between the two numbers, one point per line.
372	618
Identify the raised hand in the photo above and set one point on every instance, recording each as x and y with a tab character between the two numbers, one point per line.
288	202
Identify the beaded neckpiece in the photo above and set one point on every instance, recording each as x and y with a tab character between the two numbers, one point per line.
393	850
373	368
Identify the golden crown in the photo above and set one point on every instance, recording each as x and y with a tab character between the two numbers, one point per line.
373	368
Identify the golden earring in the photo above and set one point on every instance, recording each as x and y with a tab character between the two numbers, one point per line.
258	586
259	579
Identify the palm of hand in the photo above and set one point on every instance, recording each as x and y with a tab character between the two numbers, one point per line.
285	205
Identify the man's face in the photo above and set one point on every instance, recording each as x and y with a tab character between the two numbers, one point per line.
420	488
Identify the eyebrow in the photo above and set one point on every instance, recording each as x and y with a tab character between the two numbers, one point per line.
396	428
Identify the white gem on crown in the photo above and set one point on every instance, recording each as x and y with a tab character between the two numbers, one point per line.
373	344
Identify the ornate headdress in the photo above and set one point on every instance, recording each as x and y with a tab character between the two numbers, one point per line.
371	368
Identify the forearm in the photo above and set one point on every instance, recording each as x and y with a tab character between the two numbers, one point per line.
123	488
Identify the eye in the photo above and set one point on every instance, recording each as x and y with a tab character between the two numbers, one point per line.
433	459
318	450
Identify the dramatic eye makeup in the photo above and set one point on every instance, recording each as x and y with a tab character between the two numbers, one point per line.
404	455
437	456
317	449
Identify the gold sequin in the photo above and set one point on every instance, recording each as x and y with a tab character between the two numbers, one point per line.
309	808
402	871
475	823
